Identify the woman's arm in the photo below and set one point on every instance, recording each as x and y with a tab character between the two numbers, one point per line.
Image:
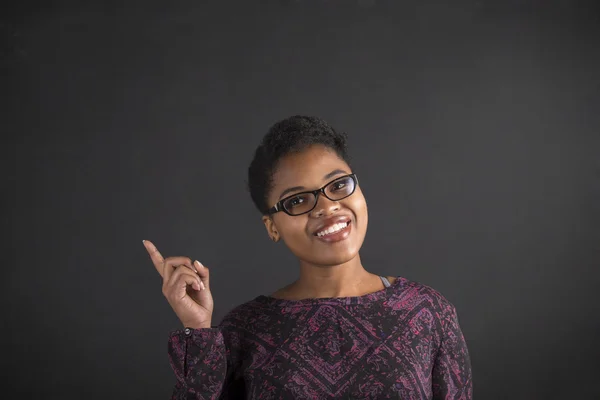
451	375
202	366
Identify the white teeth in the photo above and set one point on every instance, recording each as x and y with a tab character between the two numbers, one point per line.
332	229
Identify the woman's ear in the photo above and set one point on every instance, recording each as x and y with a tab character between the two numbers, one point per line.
271	228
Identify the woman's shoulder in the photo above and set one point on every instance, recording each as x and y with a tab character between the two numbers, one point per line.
240	314
407	287
251	315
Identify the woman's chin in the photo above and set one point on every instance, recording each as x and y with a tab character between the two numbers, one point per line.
327	254
337	258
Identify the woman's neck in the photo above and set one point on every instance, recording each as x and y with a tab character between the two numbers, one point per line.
344	280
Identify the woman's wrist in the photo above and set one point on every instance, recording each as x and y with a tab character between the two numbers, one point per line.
202	325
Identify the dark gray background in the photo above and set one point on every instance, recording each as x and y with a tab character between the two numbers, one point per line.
474	126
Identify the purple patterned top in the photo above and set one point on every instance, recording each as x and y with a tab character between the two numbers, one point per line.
401	342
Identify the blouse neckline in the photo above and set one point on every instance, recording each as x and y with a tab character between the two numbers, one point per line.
350	300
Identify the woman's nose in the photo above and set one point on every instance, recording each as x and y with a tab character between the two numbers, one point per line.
325	206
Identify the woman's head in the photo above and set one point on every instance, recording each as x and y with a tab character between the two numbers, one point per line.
301	154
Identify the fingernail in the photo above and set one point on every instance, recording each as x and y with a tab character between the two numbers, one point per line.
143	241
199	264
202	285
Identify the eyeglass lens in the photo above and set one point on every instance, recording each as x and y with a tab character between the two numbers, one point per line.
304	202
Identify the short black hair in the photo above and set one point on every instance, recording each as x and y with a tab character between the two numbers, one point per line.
290	135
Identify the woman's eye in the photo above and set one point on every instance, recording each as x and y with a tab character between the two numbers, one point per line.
339	185
295	201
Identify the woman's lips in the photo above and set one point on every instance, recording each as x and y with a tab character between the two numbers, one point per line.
337	236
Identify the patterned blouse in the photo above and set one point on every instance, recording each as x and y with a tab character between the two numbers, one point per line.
401	342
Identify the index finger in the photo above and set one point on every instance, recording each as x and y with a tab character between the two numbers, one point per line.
155	256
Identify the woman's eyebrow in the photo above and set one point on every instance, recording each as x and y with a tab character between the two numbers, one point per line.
334	173
326	177
292	189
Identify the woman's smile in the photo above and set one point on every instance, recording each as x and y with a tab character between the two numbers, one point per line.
334	229
338	235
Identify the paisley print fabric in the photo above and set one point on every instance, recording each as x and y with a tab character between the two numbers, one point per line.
402	342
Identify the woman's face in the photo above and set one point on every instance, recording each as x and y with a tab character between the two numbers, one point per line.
311	169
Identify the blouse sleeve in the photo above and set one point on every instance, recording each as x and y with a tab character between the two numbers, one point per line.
451	375
202	365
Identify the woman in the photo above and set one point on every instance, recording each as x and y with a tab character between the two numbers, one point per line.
338	331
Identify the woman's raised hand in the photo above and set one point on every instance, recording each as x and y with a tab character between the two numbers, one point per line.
186	287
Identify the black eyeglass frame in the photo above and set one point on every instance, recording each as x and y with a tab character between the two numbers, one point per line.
279	206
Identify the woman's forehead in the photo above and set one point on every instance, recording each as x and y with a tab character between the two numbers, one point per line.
308	167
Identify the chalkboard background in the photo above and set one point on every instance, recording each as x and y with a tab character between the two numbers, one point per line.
474	126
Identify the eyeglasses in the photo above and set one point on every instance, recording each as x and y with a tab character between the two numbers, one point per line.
305	202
